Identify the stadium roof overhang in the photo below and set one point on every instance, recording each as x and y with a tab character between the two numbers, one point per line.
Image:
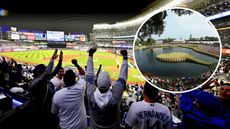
139	19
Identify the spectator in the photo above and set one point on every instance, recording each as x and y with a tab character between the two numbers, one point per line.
148	113
41	91
68	103
224	94
58	80
201	110
104	100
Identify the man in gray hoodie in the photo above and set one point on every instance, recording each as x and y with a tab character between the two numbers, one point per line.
104	99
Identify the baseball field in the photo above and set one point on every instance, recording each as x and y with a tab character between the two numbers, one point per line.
109	61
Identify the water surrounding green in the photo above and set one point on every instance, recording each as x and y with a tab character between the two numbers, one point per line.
147	63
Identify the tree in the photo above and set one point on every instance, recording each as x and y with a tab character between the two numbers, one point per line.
168	40
210	38
181	12
155	25
151	41
137	42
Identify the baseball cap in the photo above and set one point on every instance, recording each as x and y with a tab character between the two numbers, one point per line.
103	81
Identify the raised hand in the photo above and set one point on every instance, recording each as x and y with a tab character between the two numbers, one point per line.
74	61
124	53
61	55
92	50
55	54
3	58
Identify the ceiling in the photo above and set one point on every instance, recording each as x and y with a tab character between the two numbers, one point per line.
74	6
68	15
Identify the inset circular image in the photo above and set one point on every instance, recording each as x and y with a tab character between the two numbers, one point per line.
177	50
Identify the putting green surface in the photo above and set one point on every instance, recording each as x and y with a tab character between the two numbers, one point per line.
109	61
180	56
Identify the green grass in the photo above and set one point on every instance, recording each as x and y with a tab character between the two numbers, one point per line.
108	60
181	55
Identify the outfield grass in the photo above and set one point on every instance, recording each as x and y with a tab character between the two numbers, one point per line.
109	61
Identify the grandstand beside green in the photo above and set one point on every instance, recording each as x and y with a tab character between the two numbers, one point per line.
109	61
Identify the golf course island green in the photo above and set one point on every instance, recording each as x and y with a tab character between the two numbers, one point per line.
181	57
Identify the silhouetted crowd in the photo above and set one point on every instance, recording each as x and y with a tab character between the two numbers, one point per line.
65	99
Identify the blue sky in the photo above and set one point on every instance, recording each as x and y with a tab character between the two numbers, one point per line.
181	27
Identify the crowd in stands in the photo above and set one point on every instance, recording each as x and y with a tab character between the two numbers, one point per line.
8	45
216	8
213	7
223	22
178	84
102	33
222	28
225	38
65	99
212	49
201	108
223	70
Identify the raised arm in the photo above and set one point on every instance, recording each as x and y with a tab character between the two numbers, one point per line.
90	66
187	99
90	74
208	85
124	67
120	84
81	71
46	73
58	67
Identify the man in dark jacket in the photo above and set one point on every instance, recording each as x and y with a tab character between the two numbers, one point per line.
41	91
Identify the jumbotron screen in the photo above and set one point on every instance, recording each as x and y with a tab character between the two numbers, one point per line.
40	36
55	35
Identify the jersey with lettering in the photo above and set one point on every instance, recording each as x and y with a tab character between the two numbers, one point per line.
143	115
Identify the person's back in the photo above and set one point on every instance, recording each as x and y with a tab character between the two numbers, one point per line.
104	101
68	103
148	114
41	91
71	111
143	115
42	98
106	116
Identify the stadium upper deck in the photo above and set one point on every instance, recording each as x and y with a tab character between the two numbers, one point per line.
130	27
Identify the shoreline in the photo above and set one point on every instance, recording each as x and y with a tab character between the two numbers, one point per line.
164	46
